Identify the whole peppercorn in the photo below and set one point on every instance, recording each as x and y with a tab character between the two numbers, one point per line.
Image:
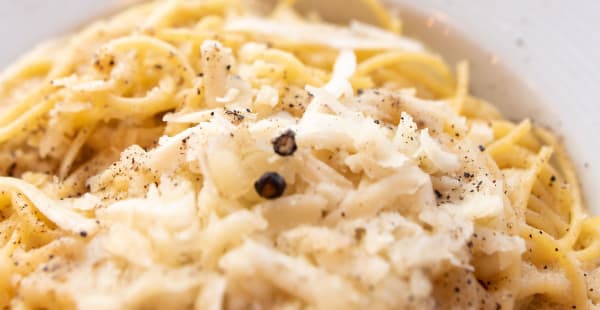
285	144
270	185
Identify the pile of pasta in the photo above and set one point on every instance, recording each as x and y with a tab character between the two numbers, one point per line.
132	154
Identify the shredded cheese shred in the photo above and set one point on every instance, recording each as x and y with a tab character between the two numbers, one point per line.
138	171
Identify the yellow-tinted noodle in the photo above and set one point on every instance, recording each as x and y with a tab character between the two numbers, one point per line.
69	109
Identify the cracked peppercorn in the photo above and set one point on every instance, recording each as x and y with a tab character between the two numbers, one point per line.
285	144
270	185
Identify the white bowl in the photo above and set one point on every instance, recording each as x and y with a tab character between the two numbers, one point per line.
536	59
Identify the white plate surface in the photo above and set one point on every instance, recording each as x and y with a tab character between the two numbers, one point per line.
534	58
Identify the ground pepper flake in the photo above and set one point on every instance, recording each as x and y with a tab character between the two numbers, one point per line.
270	185
236	115
285	144
359	233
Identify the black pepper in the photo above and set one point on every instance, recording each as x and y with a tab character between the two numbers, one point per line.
83	233
359	233
270	185
237	115
285	144
481	148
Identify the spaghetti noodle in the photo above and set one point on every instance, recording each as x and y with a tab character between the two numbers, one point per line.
140	171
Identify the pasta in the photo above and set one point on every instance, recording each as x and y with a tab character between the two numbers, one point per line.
204	154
